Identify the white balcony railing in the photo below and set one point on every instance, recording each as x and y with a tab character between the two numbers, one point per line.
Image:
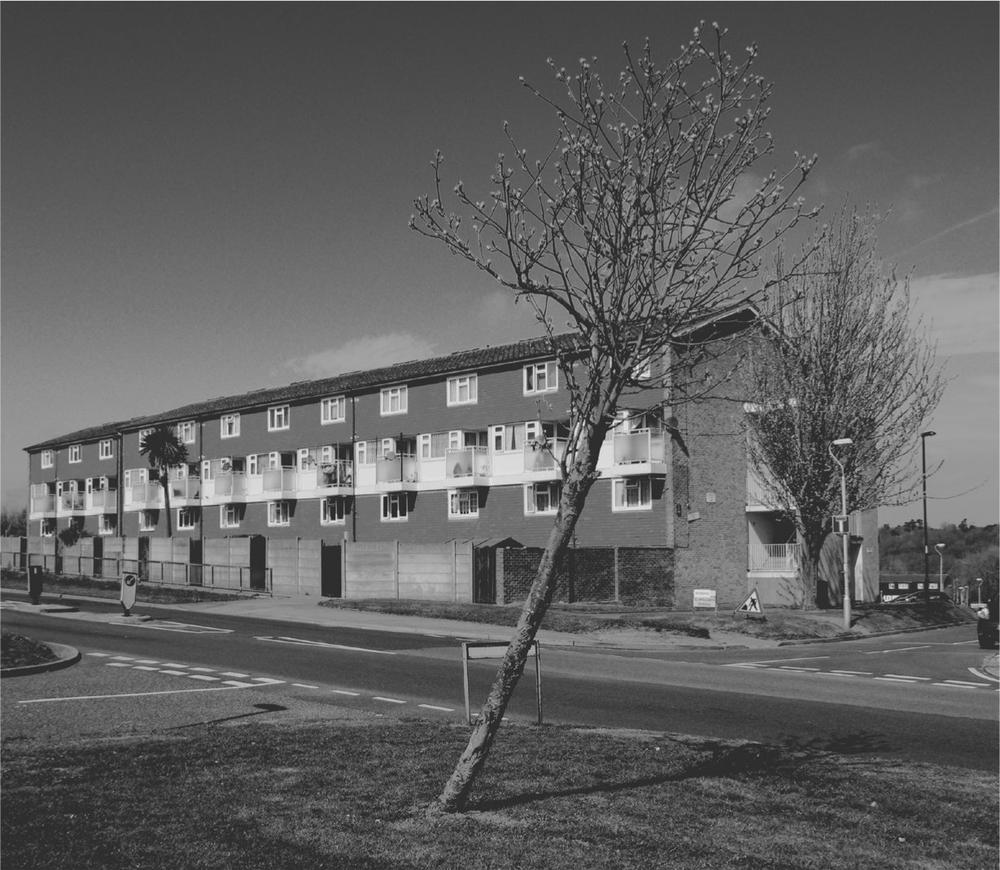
468	462
775	558
641	446
396	469
544	457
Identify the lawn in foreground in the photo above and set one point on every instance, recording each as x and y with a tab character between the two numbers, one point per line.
354	795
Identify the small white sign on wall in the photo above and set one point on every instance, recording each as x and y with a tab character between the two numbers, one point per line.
705	598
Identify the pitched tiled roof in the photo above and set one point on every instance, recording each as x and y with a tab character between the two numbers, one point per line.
351	382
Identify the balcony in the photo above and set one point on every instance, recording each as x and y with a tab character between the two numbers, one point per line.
143	496
642	452
70	502
185	491
42	504
468	466
773	558
102	500
396	473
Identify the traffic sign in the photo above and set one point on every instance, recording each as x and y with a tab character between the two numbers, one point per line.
751	605
129	583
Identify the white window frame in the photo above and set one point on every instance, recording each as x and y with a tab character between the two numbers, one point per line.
106	448
361	450
47	459
531	491
74	453
401	511
229	516
187	519
185	432
279	418
47	527
459	497
332	511
549	372
333	410
279	514
455	386
229	426
107	524
393	401
620	487
147	520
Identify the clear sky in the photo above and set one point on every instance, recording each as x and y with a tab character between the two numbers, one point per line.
201	199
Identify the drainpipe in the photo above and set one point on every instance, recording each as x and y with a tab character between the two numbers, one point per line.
354	472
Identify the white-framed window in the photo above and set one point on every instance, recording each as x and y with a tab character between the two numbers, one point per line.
541	499
106	449
229	426
631	494
142	436
136	477
187	518
148	520
393	401
463	504
394	507
75	453
107	524
278	417
47	459
333	410
279	513
541	378
364	452
463	390
185	432
331	511
229	516
47	527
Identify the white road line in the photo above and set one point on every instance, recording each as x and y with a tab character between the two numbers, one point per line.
909	680
388	700
173	673
266	681
234	674
146	662
207	679
751	665
321	644
203	670
983	675
852	673
782	661
127	695
238	685
304	686
432	707
173	665
797	668
143	668
124	658
882	652
345	692
950	685
964	683
100	655
835	674
907	677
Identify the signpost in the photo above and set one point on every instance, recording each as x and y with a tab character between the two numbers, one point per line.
490	650
127	598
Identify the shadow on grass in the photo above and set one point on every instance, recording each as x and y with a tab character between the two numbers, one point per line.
261	708
723	760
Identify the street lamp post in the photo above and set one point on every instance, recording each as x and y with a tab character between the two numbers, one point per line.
845	532
940	552
923	465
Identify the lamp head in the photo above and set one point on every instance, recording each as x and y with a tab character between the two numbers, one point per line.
939	547
842	442
927	434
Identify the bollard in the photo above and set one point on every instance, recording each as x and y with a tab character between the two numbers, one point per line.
35	583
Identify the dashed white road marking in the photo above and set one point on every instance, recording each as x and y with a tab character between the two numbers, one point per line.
298	641
387	700
906	677
128	695
304	686
433	707
345	692
882	652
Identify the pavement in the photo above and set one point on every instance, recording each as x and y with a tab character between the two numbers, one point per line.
308	611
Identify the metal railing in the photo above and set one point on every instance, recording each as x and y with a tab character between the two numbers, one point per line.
773	557
163	573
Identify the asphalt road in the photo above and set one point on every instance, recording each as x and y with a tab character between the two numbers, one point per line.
918	697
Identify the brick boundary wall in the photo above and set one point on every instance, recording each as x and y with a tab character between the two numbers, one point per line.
626	574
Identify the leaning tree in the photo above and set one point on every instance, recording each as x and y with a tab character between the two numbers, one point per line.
649	211
846	359
163	449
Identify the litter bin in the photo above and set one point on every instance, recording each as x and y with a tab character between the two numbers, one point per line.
35	583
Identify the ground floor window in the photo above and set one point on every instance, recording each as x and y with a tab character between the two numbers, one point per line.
394	507
541	498
279	513
187	518
631	494
229	516
107	524
463	504
331	511
47	528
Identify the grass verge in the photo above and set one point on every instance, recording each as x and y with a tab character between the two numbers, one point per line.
17	651
348	795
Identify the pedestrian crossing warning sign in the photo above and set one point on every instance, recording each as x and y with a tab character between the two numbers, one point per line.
751	606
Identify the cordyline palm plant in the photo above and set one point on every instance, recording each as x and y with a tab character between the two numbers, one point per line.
163	449
649	212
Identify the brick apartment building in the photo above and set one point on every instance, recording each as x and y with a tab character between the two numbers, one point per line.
456	448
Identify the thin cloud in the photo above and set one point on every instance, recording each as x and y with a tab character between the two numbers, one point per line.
366	352
960	311
960	225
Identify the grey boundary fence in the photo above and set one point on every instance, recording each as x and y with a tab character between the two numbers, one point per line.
625	574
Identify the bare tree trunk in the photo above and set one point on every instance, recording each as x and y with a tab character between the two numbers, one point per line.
456	791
